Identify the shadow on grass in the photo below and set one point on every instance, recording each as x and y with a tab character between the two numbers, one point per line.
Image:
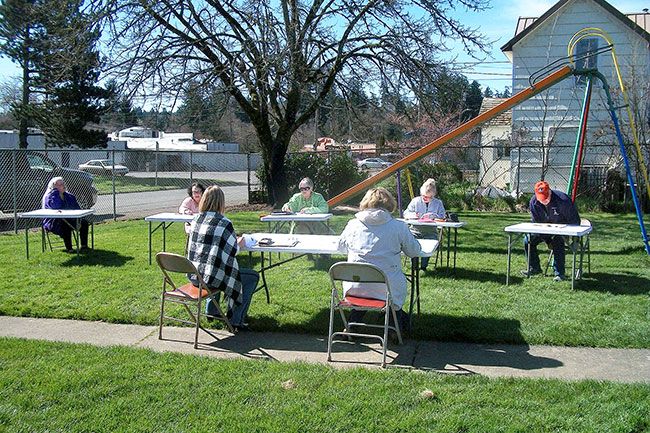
97	257
616	284
501	343
471	274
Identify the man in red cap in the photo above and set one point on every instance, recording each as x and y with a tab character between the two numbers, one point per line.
555	207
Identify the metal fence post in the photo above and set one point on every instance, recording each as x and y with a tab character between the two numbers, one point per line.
113	182
191	168
518	167
156	164
248	177
15	189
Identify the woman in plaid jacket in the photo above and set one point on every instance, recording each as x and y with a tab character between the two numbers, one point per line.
213	247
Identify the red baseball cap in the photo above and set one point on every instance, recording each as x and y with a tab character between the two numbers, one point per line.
542	190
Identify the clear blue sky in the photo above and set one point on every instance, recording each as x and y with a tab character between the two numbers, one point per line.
497	23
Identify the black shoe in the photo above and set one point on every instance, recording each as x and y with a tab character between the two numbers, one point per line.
530	272
242	328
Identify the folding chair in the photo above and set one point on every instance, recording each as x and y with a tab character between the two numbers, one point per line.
188	295
56	244
574	246
360	273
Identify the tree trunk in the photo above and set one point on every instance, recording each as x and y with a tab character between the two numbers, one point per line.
274	151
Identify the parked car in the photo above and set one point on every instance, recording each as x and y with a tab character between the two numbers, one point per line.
372	163
103	167
25	175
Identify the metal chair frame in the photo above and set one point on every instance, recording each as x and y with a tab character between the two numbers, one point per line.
360	273
189	296
583	245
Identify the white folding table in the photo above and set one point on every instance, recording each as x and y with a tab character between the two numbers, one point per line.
442	226
165	220
575	232
65	215
298	244
277	220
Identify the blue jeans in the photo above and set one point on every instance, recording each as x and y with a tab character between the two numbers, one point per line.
556	243
249	279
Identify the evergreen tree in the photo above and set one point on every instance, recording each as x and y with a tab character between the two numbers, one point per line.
488	93
473	101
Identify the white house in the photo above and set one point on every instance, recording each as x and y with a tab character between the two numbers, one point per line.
547	124
494	163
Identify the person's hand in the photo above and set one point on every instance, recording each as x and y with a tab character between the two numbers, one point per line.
286	208
241	242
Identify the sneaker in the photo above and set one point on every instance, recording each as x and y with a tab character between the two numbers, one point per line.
559	278
530	272
242	328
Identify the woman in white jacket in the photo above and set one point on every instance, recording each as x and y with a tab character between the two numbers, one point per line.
375	237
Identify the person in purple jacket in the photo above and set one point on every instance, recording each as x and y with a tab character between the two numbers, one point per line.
554	207
56	197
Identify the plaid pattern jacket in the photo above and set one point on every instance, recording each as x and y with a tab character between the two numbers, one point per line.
213	246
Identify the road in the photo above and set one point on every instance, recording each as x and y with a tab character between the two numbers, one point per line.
141	204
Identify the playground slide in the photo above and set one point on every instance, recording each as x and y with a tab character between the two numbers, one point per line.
466	127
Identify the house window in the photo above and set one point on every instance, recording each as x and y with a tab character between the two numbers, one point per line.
583	58
502	148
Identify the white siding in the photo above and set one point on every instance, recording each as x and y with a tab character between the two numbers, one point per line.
559	108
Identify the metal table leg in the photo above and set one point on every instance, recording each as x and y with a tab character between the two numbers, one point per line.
509	250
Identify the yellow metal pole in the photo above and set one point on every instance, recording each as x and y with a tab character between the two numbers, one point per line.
466	127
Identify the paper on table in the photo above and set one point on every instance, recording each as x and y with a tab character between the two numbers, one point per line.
249	241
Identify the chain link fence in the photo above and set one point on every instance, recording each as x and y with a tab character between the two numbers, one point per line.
135	183
120	183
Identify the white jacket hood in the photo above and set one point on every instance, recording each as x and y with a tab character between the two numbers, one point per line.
374	216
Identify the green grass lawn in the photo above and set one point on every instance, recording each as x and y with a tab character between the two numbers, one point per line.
104	184
58	387
608	308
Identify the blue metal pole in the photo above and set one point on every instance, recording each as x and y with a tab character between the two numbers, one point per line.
619	137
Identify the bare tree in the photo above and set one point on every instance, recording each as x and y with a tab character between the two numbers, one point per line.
280	59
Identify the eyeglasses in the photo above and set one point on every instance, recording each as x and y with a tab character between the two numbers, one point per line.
305	188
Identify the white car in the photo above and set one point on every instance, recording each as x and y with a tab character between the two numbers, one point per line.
372	163
103	167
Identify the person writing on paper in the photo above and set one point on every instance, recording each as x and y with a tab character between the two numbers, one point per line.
56	197
375	237
554	207
212	248
306	201
190	205
425	206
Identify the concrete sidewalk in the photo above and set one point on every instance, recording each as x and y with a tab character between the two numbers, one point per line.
491	360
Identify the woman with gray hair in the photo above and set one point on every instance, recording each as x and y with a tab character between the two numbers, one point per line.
56	197
426	206
306	201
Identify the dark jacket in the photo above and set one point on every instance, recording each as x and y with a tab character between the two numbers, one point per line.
54	201
560	210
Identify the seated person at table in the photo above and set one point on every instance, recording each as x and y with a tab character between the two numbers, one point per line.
554	207
426	205
375	237
212	249
190	205
56	197
306	201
